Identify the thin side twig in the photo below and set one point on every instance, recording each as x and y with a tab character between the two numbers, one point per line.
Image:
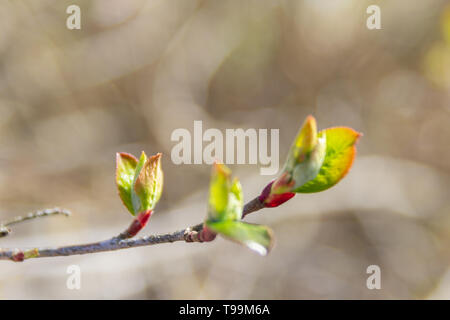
4	230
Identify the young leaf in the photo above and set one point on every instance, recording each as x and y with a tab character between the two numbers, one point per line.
235	202
303	144
225	211
303	163
310	167
125	170
255	237
340	153
219	190
274	196
139	182
148	182
134	197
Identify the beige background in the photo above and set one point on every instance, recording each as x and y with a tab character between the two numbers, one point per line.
137	70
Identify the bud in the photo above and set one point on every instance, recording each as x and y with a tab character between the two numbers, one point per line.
221	195
138	224
271	198
140	185
225	214
303	163
148	183
125	170
4	231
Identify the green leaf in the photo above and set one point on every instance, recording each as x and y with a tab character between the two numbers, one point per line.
219	190
225	211
340	153
310	167
304	143
304	160
134	197
125	170
235	202
256	237
139	183
148	182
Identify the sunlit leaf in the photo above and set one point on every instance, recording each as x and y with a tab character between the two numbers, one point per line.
139	182
134	197
256	237
235	201
303	163
125	170
303	144
225	212
219	191
310	167
340	153
149	182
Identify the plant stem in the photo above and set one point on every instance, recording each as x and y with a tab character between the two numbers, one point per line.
191	234
4	230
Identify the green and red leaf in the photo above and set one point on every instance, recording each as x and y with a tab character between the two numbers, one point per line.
139	182
148	182
304	143
339	156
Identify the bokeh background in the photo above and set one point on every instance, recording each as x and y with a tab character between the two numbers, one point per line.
138	69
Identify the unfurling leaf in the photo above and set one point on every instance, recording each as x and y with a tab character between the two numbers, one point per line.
219	190
125	169
315	162
225	212
340	153
303	163
256	237
304	159
304	144
134	197
148	183
308	169
139	182
225	197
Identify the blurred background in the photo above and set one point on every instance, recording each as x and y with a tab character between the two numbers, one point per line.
138	69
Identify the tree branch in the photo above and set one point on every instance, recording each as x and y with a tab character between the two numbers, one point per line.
4	230
197	233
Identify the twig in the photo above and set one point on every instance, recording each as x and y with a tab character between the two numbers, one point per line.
249	207
197	233
4	230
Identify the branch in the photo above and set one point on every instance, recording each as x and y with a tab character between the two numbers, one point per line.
4	230
197	233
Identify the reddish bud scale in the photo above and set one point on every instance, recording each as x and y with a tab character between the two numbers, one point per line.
276	200
206	234
138	223
18	257
273	200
